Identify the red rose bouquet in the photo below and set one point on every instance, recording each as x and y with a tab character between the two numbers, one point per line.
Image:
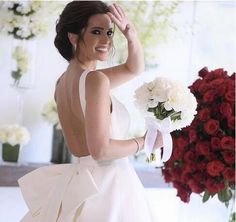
203	158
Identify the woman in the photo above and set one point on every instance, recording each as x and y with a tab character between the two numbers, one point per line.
102	185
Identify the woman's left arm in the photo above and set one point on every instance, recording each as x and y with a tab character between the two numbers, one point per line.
134	64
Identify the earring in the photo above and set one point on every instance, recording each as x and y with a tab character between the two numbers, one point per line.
74	47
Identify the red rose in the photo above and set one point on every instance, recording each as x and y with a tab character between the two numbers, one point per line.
229	157
203	87
195	186
178	153
229	174
199	177
211	185
216	82
185	177
231	122
205	155
189	156
227	142
167	175
204	114
182	142
203	148
225	109
215	142
211	126
189	167
195	85
192	135
214	186
209	96
215	167
201	166
232	77
230	95
194	123
203	72
212	156
184	194
221	90
217	73
176	173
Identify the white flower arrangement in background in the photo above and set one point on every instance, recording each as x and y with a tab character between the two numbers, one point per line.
50	114
14	135
22	60
27	19
167	106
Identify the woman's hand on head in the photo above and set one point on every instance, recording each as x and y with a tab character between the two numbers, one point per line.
118	16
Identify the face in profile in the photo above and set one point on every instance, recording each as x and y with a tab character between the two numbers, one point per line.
97	38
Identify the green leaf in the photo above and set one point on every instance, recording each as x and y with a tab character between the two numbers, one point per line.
206	196
225	195
16	74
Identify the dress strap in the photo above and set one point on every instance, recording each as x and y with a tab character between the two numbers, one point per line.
82	89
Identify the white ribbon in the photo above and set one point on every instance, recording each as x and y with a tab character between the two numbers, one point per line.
164	127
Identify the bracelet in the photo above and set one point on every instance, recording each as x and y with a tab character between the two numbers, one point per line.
138	146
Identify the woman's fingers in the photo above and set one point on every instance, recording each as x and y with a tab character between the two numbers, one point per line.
119	17
112	17
119	10
116	12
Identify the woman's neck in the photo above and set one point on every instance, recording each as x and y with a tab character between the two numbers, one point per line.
91	65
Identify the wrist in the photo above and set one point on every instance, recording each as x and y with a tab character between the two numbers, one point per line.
133	40
140	143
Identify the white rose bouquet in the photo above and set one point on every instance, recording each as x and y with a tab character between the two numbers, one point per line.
50	114
14	135
167	106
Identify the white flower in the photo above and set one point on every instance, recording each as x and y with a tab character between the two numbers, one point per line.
143	97
162	85
5	20
21	57
14	134
49	112
27	19
177	98
168	99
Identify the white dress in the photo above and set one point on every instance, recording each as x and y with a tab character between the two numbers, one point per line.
88	190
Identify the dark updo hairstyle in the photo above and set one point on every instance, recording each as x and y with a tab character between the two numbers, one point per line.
74	18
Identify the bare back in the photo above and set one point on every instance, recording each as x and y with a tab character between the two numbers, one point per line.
70	111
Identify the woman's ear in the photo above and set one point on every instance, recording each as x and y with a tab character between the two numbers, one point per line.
73	38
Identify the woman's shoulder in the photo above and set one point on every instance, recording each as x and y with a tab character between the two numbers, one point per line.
97	78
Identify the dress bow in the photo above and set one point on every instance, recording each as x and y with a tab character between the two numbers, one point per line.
47	188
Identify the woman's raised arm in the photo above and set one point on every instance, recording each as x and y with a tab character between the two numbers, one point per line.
134	64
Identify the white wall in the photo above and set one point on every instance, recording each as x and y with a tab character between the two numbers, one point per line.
205	37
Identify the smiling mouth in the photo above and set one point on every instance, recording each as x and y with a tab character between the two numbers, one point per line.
102	49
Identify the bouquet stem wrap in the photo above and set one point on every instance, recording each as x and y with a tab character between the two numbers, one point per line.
154	127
